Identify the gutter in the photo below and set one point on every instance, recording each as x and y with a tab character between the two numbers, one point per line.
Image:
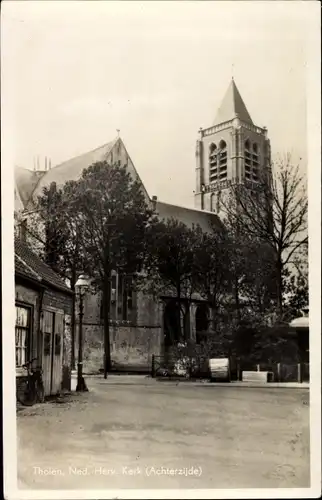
57	287
28	279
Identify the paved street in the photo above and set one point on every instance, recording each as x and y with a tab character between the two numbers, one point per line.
159	435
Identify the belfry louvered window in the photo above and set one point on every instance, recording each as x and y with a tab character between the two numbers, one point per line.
213	163
218	162
222	160
251	161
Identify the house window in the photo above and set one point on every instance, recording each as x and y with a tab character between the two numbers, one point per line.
23	334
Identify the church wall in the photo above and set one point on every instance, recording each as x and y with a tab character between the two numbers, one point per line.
132	344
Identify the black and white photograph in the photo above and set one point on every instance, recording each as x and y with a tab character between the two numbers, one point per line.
161	301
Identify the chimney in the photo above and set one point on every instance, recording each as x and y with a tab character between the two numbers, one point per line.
154	202
49	164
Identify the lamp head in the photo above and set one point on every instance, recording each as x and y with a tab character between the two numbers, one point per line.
82	283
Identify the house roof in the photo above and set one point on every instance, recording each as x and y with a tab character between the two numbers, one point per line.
232	105
30	266
188	216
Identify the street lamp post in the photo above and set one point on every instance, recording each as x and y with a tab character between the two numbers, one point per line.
81	285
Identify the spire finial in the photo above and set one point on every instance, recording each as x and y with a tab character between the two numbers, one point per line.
232	71
118	132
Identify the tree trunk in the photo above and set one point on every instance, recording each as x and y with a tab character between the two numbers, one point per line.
214	307
237	303
73	319
279	287
106	316
179	311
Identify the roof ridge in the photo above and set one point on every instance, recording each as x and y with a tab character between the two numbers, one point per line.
186	208
83	154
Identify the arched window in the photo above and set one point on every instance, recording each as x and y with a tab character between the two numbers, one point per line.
247	145
222	144
255	147
212	149
172	333
202	322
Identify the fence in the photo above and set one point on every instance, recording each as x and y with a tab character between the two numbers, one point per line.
198	367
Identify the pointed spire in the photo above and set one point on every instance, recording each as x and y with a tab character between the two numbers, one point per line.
232	105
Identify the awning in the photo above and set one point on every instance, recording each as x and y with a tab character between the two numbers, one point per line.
302	322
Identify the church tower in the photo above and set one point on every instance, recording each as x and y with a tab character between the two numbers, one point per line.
233	150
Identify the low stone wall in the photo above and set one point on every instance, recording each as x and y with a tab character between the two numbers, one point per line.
131	347
134	346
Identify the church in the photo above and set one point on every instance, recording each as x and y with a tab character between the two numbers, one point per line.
233	149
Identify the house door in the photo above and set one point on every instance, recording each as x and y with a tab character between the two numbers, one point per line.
53	325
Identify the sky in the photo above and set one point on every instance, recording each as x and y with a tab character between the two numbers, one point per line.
75	72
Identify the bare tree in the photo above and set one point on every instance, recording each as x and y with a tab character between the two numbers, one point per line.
273	211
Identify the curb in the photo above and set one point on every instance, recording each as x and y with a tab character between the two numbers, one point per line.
245	385
148	381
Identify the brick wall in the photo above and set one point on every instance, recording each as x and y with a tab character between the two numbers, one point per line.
58	300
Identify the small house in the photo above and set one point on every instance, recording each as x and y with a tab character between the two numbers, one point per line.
43	305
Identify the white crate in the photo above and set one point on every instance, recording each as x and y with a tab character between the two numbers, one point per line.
219	368
256	376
